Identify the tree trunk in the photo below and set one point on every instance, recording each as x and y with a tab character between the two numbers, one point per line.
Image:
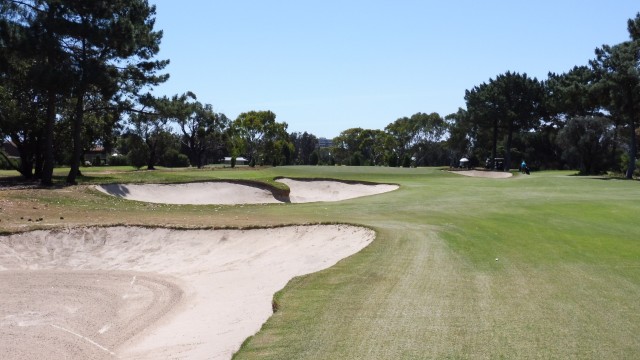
507	151
494	146
47	165
38	161
614	163
151	160
77	139
25	167
633	149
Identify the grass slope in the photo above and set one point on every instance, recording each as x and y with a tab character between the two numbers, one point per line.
566	283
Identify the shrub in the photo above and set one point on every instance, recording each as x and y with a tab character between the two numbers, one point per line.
314	158
356	159
174	158
406	161
117	160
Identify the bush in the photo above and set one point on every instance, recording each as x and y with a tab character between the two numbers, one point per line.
586	143
314	158
138	152
406	161
117	160
174	158
393	160
356	159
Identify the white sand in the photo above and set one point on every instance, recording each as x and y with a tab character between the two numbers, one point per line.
223	193
136	293
226	193
484	174
303	191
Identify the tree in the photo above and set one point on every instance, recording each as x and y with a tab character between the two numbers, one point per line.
618	71
201	127
305	145
88	51
571	94
33	61
138	153
358	146
511	103
585	142
417	136
21	121
461	140
260	136
110	45
346	144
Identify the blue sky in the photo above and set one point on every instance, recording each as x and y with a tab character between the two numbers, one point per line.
326	66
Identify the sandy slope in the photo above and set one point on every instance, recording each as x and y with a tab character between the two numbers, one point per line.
303	191
484	174
223	193
136	293
226	193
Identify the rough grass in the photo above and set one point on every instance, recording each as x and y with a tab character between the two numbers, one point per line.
566	284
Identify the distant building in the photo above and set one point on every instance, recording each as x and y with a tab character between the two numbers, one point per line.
239	161
324	142
96	156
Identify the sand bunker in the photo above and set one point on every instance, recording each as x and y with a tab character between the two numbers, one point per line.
136	293
484	174
303	191
227	193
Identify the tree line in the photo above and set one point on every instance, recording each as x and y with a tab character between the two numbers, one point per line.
586	119
76	74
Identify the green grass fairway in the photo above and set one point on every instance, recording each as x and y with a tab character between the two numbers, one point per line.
545	266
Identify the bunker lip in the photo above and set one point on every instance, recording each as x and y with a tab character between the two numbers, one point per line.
229	192
483	174
148	293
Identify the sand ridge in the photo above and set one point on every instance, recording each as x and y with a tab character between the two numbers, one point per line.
229	193
138	293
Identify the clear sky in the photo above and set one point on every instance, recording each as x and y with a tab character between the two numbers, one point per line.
326	66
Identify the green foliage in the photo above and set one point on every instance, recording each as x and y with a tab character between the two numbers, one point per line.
173	158
356	159
304	145
586	144
138	152
97	55
392	160
258	135
618	71
572	94
202	129
508	105
406	161
314	158
369	145
417	136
